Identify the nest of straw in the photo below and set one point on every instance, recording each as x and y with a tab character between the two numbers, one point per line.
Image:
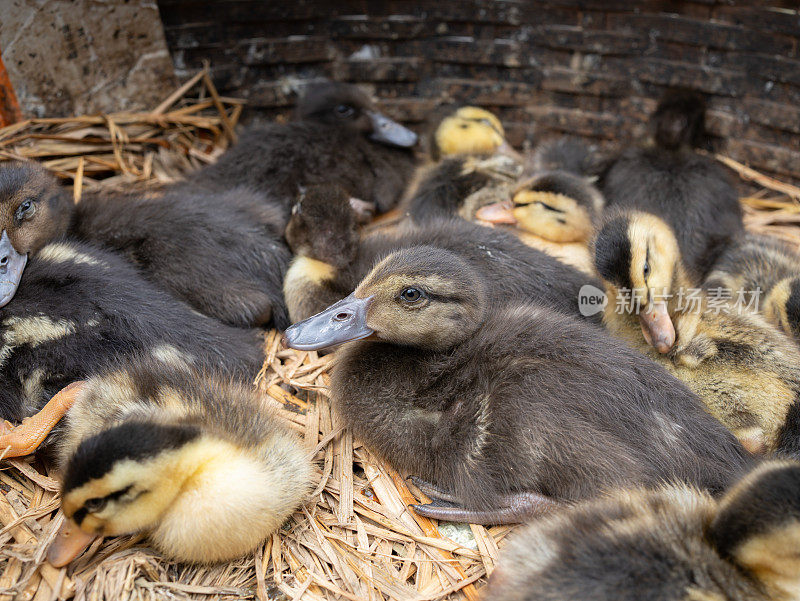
355	537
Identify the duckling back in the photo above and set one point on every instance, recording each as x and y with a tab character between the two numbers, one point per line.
692	193
78	309
220	252
334	140
194	460
673	543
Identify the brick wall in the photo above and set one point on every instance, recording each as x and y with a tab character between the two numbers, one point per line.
590	67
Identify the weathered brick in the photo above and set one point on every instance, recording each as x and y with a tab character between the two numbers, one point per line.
701	33
380	69
362	27
786	21
598	42
578	81
301	49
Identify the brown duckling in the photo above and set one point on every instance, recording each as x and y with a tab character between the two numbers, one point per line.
221	253
191	459
767	271
745	370
692	193
674	543
338	136
331	259
78	309
560	202
504	408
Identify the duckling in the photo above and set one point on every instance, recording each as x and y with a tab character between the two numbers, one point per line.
222	253
78	308
476	166
745	371
560	202
767	270
339	136
193	460
504	408
674	543
692	193
331	260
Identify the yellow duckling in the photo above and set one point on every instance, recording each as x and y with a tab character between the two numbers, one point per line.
745	370
194	461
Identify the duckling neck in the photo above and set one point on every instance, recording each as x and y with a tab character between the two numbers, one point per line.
308	287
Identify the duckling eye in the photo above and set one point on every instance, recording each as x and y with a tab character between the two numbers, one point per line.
25	210
95	504
343	110
646	269
412	295
464	126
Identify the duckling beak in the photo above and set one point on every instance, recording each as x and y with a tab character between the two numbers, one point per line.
499	212
390	132
657	327
70	542
341	322
12	264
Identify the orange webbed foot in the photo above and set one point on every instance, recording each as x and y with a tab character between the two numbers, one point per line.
16	441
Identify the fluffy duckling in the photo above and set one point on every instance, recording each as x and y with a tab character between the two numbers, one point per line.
505	409
768	271
339	136
692	193
476	167
746	372
674	543
78	309
560	202
331	260
221	253
193	460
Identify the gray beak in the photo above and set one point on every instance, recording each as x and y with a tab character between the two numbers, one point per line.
341	322
390	132
12	264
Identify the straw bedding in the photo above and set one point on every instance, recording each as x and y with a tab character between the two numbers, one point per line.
354	538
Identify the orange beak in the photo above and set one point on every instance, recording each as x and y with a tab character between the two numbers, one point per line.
499	212
657	327
70	542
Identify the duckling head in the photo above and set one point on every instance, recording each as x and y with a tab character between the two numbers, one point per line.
344	105
757	527
471	131
782	306
557	206
323	225
33	212
679	120
638	253
123	479
421	297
